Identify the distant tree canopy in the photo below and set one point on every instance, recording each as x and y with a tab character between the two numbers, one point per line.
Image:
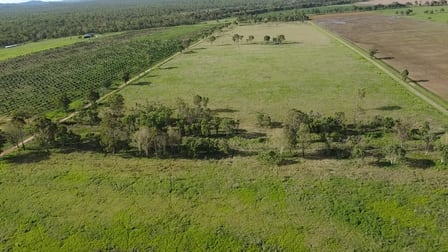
22	23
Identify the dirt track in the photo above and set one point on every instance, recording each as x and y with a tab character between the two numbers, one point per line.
419	46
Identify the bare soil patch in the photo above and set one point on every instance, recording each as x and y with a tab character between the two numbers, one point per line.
419	46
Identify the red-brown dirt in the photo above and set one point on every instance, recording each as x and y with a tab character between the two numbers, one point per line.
421	47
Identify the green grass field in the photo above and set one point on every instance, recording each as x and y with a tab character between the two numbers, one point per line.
432	13
88	201
85	202
24	49
308	72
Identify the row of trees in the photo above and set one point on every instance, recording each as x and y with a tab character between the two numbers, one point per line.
153	130
342	139
237	38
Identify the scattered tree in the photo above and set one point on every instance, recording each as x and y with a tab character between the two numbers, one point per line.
211	39
281	38
402	130
44	131
264	120
92	97
126	77
15	131
394	153
63	102
3	140
373	52
267	38
404	74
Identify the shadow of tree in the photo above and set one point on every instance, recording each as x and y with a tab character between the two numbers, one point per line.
27	157
224	110
389	108
142	83
420	163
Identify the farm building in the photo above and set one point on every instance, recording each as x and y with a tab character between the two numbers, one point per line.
11	46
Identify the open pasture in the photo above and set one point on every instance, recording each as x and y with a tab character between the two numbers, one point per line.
429	13
309	71
90	202
403	43
32	47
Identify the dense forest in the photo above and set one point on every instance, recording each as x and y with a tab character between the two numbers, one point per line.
33	22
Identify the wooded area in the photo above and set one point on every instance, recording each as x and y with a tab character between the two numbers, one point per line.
20	23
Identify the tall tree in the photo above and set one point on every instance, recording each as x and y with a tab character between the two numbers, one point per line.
373	52
44	131
3	140
15	131
92	97
211	39
63	102
404	74
266	38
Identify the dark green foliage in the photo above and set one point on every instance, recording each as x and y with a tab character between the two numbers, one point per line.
266	38
88	116
114	136
3	139
44	131
404	74
92	96
204	147
15	130
264	120
63	102
65	138
271	158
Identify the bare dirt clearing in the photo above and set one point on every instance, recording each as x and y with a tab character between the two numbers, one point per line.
403	43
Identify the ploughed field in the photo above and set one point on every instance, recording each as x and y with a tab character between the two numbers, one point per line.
403	43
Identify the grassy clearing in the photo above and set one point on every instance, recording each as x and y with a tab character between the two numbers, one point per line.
309	72
432	13
86	201
33	47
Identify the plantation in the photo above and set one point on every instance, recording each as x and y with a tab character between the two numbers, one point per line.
31	83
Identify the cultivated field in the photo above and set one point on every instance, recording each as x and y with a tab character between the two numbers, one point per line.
308	72
403	43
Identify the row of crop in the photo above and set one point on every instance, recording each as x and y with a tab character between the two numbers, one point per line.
77	73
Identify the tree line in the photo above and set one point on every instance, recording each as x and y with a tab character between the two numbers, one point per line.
151	130
193	130
33	23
